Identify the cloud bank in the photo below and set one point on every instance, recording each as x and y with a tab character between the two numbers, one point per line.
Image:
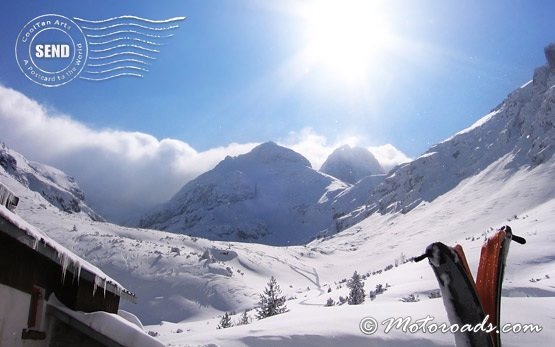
123	173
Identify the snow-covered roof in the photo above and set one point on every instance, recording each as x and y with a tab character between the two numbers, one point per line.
109	325
40	242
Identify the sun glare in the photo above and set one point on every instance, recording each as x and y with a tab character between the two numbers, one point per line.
347	38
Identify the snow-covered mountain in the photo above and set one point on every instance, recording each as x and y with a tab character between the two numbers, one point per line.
350	164
269	195
54	185
519	133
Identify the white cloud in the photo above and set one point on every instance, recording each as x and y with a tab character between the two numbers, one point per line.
316	148
121	172
389	156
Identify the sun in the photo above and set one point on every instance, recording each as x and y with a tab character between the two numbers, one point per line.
346	38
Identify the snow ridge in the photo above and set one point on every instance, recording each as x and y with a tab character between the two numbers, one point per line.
54	185
522	127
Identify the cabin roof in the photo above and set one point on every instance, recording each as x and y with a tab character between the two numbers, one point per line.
41	243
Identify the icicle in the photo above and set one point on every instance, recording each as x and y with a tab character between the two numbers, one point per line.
64	261
105	282
35	243
78	272
96	279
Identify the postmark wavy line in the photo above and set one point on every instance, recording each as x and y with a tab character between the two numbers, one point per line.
132	25
128	60
122	53
169	20
129	67
95	36
124	46
124	74
127	38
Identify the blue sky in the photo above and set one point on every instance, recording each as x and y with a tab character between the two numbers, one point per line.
224	77
246	72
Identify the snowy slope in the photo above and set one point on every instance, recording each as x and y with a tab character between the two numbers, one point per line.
353	198
269	195
464	215
54	185
350	164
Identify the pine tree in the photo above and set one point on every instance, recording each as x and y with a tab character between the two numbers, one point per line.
244	319
356	295
271	302
225	322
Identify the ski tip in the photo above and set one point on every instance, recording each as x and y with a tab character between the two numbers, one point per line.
420	258
514	237
519	239
506	228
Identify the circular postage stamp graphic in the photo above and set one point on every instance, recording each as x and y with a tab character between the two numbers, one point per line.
51	50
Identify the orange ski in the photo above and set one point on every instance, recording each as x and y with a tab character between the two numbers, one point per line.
489	279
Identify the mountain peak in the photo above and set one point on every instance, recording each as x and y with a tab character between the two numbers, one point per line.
549	51
350	164
270	152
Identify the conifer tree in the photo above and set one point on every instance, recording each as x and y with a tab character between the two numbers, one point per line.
244	319
225	322
271	302
356	295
